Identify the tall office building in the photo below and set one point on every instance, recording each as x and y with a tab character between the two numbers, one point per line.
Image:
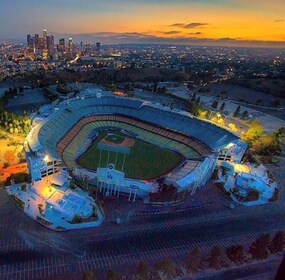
50	44
70	46
41	43
61	45
36	41
88	49
45	39
29	40
98	47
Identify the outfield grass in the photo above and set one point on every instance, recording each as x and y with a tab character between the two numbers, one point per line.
146	161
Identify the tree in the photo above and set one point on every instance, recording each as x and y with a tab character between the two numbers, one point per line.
167	266
112	274
19	177
254	132
235	253
266	145
193	98
41	208
72	185
277	243
163	90
270	144
141	271
155	87
214	259
223	93
221	121
91	189
280	134
244	115
193	260
88	275
233	127
222	106
276	103
215	104
202	114
259	248
77	219
198	100
236	112
194	108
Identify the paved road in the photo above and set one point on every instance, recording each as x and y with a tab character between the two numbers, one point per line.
29	251
264	270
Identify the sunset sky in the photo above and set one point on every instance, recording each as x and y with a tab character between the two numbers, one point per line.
179	21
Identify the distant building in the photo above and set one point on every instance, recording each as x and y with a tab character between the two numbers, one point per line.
36	41
41	44
50	44
29	40
70	47
45	39
98	47
87	49
61	45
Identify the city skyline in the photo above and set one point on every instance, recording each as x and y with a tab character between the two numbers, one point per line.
217	22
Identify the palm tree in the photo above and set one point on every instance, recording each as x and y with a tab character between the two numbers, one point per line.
112	274
88	275
167	266
141	271
259	248
222	106
193	260
277	243
235	253
215	257
91	189
237	111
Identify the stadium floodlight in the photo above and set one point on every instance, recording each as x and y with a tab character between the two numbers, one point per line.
46	158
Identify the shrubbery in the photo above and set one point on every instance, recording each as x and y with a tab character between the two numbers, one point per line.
15	124
77	219
17	178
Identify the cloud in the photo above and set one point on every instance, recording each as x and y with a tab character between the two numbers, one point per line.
195	24
279	20
226	39
171	32
145	38
178	24
195	33
109	35
189	25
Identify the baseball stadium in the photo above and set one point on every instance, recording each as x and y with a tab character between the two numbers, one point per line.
122	147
